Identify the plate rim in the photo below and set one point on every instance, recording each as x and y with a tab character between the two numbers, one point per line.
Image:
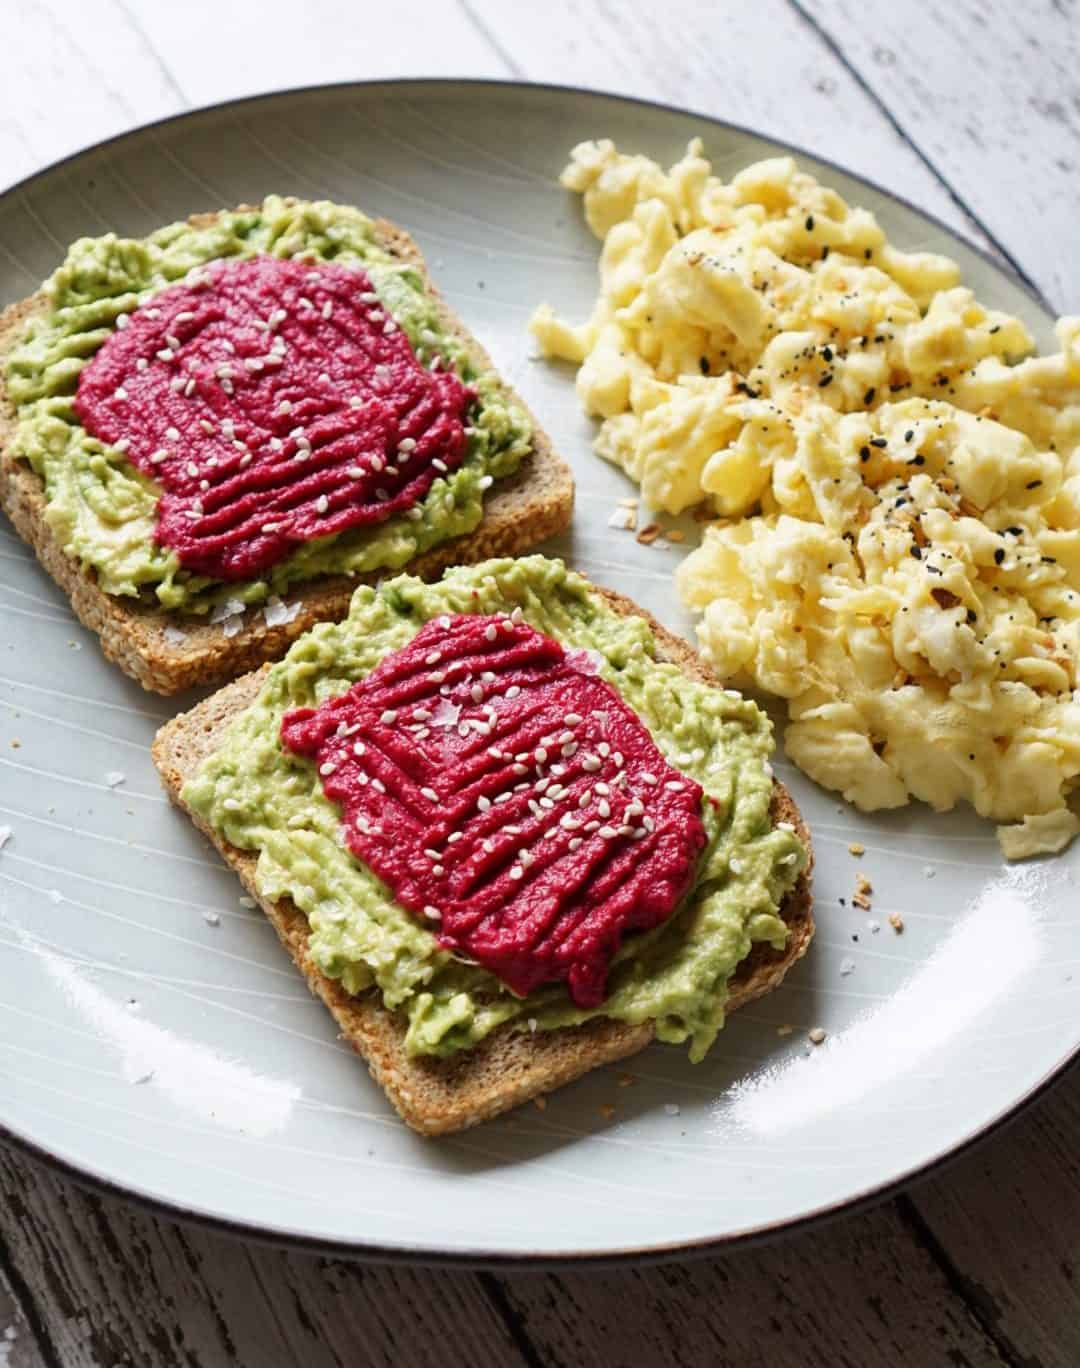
418	1254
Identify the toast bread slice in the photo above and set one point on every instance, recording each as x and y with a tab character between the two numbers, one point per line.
438	1096
534	503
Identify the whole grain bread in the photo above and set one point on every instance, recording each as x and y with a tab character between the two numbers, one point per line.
438	1096
535	503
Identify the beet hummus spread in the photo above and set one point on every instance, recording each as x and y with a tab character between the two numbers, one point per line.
274	401
505	793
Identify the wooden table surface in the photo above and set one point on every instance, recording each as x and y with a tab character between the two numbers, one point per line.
972	110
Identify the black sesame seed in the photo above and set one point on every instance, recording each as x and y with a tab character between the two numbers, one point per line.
916	551
999	555
879	441
868	397
864	453
825	381
809	223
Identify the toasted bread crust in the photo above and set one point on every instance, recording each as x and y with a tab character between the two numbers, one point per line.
438	1096
535	503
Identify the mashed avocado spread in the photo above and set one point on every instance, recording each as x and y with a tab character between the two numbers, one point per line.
263	798
104	510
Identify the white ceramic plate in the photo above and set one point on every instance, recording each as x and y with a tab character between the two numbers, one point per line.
151	1048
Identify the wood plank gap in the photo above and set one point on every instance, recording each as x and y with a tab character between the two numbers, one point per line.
501	1305
480	25
28	1306
981	1305
856	75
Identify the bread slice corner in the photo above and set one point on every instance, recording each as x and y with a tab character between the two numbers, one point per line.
440	1096
520	511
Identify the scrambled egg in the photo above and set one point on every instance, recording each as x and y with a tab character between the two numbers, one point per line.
897	479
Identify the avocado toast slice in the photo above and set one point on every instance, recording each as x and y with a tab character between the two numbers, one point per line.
508	1066
168	651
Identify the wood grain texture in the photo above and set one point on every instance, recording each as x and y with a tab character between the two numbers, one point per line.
18	1347
989	95
953	105
120	1287
762	65
1007	1219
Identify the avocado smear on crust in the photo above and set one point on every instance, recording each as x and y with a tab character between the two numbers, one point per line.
260	797
103	510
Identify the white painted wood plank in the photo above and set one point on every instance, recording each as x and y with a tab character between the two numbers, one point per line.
761	65
75	73
83	70
990	95
216	53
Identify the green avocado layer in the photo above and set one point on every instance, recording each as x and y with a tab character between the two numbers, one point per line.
103	510
262	798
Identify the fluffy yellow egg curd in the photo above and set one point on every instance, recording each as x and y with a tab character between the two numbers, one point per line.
893	475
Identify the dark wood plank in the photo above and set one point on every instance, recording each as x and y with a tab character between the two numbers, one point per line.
846	1296
114	1285
18	1347
1007	1219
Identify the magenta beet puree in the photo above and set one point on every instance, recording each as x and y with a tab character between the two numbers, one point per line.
506	793
275	402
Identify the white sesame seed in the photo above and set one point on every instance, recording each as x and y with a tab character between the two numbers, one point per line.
785	826
485	482
192	468
607	832
322	503
164	354
430	795
433	658
327	309
590	764
575	841
477	693
440	466
378	786
122	320
540	755
604	749
120	392
569	749
432	913
354	473
121	444
141	364
454	836
358	749
490	632
328	768
673	786
483	803
517	872
173	341
390	715
227	386
159	456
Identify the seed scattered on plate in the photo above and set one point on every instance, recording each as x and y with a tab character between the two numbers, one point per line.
816	1035
896	921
